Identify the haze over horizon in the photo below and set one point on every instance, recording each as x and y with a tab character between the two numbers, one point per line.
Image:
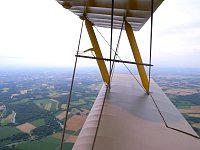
42	33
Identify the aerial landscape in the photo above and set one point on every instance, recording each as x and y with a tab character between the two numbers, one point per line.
33	104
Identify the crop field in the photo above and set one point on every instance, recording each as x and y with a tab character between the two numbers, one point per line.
4	90
26	127
181	91
191	110
61	115
48	143
79	102
47	104
64	106
68	137
75	122
38	122
196	125
21	101
194	115
6	120
54	94
95	87
7	131
71	138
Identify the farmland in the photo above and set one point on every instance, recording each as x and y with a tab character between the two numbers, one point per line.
45	143
26	127
39	100
38	122
47	104
7	131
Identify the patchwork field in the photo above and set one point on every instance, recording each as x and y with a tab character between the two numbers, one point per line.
39	97
26	127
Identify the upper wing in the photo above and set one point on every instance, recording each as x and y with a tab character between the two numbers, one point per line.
136	12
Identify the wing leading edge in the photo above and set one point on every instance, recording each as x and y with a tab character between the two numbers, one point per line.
136	12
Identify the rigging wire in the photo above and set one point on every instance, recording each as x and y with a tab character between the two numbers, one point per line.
111	39
71	88
151	39
116	51
121	59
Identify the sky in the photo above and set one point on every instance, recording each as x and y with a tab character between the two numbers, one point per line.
42	33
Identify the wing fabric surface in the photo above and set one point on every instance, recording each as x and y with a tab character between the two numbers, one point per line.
136	12
130	120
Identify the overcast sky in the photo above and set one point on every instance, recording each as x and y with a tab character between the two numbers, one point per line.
41	32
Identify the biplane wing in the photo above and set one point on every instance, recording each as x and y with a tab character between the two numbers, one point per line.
133	120
127	114
137	12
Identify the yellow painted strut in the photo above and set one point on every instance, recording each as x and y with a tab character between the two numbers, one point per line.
136	54
96	48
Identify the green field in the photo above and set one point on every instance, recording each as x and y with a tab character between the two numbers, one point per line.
54	94
47	104
183	104
68	146
47	143
79	102
38	122
4	90
21	101
7	131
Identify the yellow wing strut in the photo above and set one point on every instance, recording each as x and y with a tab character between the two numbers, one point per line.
96	48
137	56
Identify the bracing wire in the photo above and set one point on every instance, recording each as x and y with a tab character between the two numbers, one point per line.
151	39
71	88
111	39
120	59
116	51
